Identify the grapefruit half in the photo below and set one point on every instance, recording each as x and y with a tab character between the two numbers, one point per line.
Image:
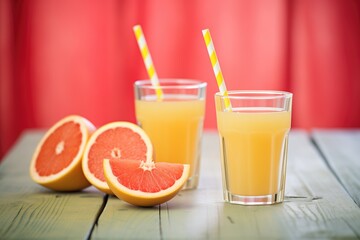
56	162
118	141
145	183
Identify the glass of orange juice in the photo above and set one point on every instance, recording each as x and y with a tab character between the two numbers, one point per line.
254	143
173	122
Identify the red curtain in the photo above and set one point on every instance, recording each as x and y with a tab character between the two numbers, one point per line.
80	57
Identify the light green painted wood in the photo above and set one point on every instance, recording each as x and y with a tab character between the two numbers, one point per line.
341	150
28	210
334	214
317	206
123	221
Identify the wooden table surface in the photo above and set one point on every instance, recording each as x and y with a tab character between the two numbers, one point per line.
322	199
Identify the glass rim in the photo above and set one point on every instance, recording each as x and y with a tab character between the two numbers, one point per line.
255	94
171	83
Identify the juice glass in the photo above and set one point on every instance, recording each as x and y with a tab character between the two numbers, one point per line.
174	123
254	142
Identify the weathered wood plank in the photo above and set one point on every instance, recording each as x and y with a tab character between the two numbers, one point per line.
120	219
28	210
48	215
331	213
341	150
317	207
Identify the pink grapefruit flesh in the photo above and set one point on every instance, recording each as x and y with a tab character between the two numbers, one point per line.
118	141
145	183
56	162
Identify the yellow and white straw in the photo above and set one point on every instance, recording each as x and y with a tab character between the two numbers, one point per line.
140	38
216	67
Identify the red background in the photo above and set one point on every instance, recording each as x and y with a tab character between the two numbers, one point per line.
81	57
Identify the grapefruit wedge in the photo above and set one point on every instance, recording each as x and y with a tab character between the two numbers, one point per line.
117	141
145	183
56	162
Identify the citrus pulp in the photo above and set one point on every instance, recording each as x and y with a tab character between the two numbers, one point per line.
56	162
118	141
145	183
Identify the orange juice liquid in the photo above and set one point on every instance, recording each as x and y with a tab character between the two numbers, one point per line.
175	128
254	149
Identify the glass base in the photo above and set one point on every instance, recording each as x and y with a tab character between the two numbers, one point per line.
191	183
254	200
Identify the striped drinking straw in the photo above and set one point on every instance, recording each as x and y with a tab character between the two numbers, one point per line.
216	67
140	38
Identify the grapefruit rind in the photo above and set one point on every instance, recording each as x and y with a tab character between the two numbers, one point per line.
139	198
103	185
71	178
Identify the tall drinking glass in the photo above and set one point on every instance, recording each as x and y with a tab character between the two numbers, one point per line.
174	123
254	144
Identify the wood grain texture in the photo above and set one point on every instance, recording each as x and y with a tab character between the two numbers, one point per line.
316	206
341	150
129	222
332	213
29	211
